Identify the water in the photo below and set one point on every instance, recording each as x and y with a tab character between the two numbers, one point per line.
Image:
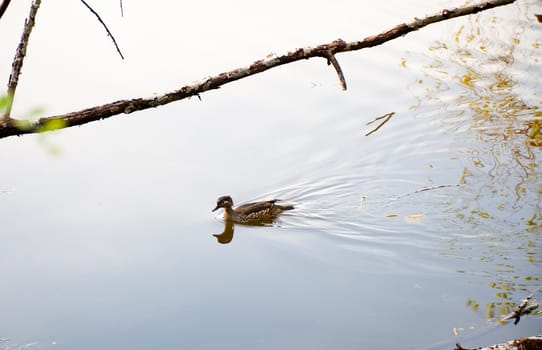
429	224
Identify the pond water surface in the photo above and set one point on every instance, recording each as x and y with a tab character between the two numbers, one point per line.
431	224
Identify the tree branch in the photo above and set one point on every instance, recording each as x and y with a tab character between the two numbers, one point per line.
324	51
17	64
105	26
3	7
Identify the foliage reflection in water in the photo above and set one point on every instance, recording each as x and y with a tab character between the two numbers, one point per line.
500	205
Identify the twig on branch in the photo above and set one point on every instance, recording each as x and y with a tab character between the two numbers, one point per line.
121	9
386	117
331	59
3	7
17	64
105	26
325	51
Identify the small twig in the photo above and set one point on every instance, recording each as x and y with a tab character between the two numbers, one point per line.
331	59
423	189
17	64
105	26
386	117
434	188
378	118
3	7
121	9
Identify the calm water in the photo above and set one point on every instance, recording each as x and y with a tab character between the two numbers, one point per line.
429	224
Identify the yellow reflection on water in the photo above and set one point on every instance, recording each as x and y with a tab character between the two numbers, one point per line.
484	74
487	77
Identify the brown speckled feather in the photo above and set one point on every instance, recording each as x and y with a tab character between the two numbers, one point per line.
256	206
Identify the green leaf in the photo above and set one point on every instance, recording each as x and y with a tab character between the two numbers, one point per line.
4	102
53	124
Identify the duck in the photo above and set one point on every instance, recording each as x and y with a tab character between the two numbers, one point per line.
256	213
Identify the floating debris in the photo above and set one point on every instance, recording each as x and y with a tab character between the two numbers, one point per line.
525	308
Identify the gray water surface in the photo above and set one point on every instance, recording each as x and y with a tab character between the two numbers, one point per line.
429	224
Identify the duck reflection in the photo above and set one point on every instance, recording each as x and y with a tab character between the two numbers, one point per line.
253	214
226	236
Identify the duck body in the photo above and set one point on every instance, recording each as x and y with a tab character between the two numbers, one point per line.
257	213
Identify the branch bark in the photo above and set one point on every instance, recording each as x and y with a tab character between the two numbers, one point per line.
17	64
326	51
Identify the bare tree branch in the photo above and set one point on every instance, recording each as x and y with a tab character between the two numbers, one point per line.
105	26
324	51
17	64
4	6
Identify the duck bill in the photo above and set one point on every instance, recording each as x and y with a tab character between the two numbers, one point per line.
215	209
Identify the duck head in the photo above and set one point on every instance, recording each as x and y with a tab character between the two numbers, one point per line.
223	202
